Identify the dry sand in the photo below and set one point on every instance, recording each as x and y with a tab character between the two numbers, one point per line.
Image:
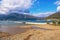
3	34
37	34
41	26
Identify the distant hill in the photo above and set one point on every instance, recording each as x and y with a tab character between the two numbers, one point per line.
55	15
18	16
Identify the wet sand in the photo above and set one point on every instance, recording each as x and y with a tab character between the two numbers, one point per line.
14	30
23	28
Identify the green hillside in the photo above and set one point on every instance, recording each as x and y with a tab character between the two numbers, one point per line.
55	15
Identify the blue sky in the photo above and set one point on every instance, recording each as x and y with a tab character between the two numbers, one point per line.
44	6
41	8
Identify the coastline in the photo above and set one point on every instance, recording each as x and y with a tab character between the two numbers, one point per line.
34	23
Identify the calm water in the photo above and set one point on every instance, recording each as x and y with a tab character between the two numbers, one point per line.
17	23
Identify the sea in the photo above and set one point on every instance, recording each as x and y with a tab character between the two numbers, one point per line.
20	22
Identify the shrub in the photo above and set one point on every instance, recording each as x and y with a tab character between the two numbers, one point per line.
59	22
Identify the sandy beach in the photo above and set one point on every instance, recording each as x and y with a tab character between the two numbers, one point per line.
3	34
29	19
35	32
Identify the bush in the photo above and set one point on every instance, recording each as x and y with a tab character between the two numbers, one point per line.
54	22
59	22
47	22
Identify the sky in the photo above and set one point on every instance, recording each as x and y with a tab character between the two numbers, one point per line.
40	8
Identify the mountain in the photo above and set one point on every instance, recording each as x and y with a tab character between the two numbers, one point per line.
18	16
55	15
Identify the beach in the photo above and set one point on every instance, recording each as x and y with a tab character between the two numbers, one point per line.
29	19
33	32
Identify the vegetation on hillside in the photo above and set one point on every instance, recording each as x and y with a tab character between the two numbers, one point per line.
55	18
55	15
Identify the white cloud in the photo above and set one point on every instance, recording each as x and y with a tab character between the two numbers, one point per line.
43	14
57	2
58	8
58	5
7	5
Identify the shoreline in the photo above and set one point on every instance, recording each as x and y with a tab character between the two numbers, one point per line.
34	23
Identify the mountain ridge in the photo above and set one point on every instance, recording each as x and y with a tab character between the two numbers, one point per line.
55	15
18	16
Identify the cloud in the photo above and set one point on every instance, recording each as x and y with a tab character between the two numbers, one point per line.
43	14
58	5
7	5
57	2
58	8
